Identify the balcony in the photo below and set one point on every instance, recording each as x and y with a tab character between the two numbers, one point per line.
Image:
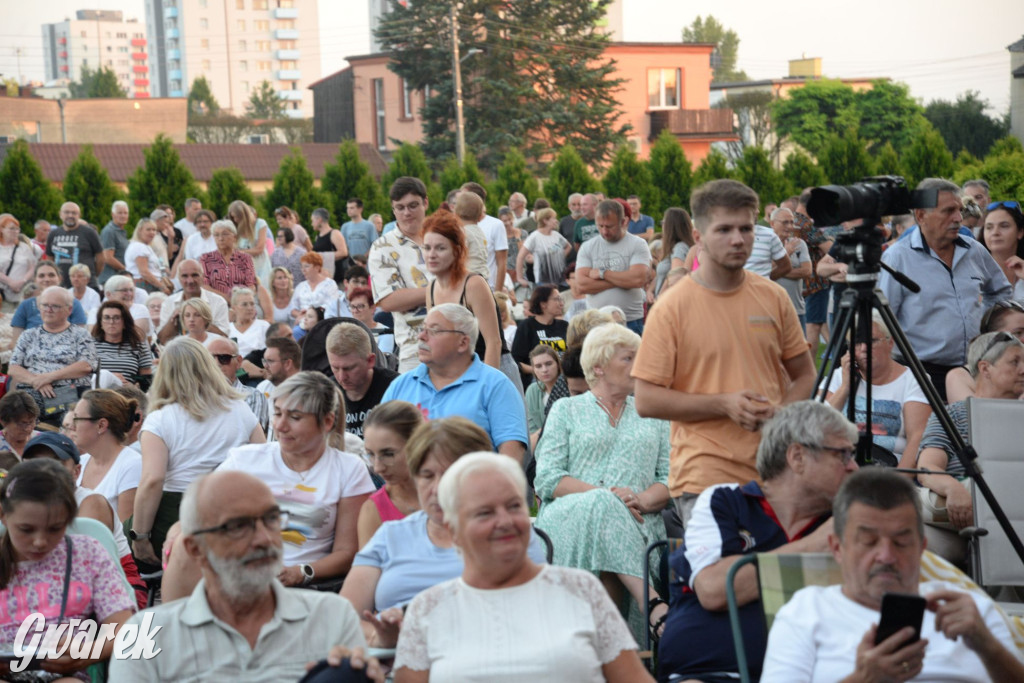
286	34
692	122
64	68
283	55
140	69
63	41
174	54
176	93
63	54
138	42
294	113
140	56
171	33
140	82
174	75
142	94
286	13
290	95
289	75
170	12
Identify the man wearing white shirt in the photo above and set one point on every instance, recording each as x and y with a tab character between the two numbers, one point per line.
768	258
191	275
187	223
496	241
202	241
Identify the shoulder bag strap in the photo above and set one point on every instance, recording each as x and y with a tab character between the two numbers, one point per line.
14	252
67	579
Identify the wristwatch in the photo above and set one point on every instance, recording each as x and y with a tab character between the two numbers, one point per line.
307	574
138	535
600	274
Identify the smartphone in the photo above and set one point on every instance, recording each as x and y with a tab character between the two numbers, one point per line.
900	610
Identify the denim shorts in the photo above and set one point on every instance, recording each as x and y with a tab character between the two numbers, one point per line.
817	307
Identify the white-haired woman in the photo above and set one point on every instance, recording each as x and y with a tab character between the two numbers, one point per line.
195	418
248	330
142	262
79	274
581	636
602	470
228	266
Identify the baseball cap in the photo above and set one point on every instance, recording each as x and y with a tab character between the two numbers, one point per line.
62	446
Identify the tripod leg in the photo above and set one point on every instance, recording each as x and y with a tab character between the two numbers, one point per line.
843	321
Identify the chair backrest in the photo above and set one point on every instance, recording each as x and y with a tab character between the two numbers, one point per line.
996	430
86	526
782	575
314	353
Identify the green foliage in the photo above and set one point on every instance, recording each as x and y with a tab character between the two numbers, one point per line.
513	176
1006	145
293	187
213	129
101	83
964	123
88	185
538	79
163	179
264	103
727	47
225	186
628	175
454	176
844	159
756	171
201	99
24	192
887	161
888	115
801	172
671	173
713	167
566	175
409	160
753	115
350	177
814	112
1005	175
927	157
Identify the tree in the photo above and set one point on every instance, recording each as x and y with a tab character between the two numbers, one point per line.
200	98
513	176
1003	168
1006	145
454	176
101	83
25	193
927	157
888	115
671	172
756	171
713	167
801	172
219	128
727	47
348	177
811	113
87	184
409	160
964	123
753	122
566	175
537	78
265	103
844	158
887	161
628	175
293	186
162	179
225	186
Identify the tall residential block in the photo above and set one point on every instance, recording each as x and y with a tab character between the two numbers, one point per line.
236	45
98	39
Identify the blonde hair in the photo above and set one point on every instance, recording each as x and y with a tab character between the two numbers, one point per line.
584	322
448	438
291	278
601	344
244	219
201	307
188	375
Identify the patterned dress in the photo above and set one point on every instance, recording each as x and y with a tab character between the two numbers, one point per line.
594	530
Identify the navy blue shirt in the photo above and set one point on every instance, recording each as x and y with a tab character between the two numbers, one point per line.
728	519
640	226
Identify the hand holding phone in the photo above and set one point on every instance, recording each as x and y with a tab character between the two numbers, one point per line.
900	610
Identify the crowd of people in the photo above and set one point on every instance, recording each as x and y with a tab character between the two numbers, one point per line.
335	440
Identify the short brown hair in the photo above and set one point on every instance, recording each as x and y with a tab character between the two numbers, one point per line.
469	207
346	338
288	348
448	438
726	194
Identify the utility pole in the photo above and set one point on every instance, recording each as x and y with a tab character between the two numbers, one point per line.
17	53
460	126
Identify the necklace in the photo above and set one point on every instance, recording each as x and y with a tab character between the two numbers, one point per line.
613	419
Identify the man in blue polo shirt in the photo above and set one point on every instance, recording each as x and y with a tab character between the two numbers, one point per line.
452	380
806	452
640	224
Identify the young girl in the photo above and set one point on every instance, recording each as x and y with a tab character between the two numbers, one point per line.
546	370
308	321
37	502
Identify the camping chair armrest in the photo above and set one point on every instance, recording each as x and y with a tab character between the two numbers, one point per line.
734	614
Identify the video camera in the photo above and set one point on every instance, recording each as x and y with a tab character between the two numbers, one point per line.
874	197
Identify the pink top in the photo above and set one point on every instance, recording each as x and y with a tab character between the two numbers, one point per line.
387	510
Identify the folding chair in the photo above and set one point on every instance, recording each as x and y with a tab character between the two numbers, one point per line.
665	576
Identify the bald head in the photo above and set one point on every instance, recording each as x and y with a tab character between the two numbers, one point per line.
217	497
222	348
190	274
70	214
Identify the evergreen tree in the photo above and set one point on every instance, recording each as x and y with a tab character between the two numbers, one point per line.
348	177
225	186
162	179
293	187
801	172
24	192
537	78
410	161
671	172
964	124
628	175
727	47
101	83
756	171
713	167
927	157
566	175
201	100
844	159
265	103
87	184
454	176
513	176
1005	145
887	161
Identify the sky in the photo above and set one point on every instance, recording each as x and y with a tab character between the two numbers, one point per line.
940	48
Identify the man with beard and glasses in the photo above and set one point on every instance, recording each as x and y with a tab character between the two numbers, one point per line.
241	623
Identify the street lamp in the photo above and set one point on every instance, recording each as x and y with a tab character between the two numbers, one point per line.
460	125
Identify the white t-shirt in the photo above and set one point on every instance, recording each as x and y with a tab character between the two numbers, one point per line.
767	249
460	633
123	475
134	251
253	338
495	240
816	634
311	498
887	402
123	548
187	227
196	448
90	300
197	245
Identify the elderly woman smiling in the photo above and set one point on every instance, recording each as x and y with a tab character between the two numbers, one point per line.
484	624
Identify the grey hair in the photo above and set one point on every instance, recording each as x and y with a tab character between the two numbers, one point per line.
612	309
461	319
226	224
232	344
802	422
601	344
66	296
610	207
876	318
155	296
977	182
980	349
575	195
451	484
874	487
80	268
322	214
116	281
117	205
238	291
308	392
939	185
776	212
517	195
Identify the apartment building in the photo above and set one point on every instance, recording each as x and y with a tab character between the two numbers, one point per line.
236	45
98	39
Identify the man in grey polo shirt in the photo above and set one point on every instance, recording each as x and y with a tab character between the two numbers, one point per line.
114	240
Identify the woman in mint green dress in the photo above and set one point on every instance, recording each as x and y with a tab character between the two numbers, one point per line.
602	470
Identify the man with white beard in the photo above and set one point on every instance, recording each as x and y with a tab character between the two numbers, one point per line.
240	623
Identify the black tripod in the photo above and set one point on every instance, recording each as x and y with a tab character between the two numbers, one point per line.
861	250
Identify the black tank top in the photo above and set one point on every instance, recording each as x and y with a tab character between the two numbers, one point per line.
322	244
481	345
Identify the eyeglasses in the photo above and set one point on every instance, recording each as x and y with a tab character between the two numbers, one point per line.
434	331
1009	304
123	290
111	318
410	207
844	454
223	358
243	527
52	307
358	308
1012	205
76	420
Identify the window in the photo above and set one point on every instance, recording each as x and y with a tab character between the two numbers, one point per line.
122	35
204	23
263	46
243	46
206	65
243	65
406	100
239	4
259	4
241	24
286	23
288	4
245	86
204	43
202	3
109	48
663	88
286	44
263	66
261	25
378	105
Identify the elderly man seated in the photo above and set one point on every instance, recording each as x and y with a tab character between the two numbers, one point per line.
53	361
828	633
225	352
452	380
240	623
806	452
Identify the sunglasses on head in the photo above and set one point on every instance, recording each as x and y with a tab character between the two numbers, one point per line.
1012	205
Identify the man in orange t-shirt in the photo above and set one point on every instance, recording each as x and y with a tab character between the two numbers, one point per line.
721	351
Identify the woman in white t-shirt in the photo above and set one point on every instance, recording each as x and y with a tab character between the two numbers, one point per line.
102	421
549	250
142	262
248	331
195	418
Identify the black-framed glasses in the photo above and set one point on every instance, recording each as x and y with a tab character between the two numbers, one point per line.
844	454
434	331
242	527
223	358
1008	304
1010	204
997	338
